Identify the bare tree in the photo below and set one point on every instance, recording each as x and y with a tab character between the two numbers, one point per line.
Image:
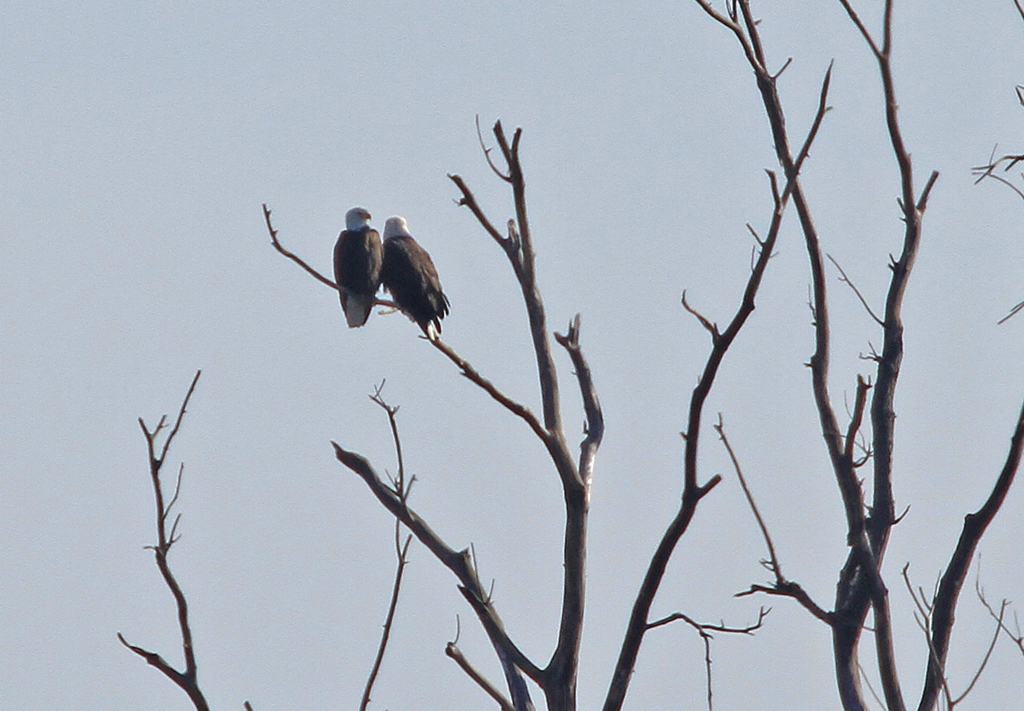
861	587
860	450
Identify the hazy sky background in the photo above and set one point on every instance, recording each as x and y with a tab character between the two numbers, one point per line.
137	143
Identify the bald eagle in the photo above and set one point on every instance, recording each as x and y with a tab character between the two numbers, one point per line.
410	276
357	264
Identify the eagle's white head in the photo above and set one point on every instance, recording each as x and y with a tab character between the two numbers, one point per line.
356	219
396	226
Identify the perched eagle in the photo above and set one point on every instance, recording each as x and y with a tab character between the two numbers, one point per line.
410	276
357	263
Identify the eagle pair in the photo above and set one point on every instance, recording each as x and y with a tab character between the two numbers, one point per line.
362	265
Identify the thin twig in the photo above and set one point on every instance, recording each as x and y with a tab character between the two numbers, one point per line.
487	153
292	256
988	655
401	551
392	606
459	562
846	280
705	630
708	326
871	688
774	566
1018	637
721	627
1012	313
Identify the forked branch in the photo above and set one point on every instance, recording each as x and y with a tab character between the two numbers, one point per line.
693	492
559	675
782	586
459	562
401	550
705	631
185	679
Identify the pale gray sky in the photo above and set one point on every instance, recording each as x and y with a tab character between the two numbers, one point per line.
138	142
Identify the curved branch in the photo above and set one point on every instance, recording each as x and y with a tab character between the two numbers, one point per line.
459	562
975	525
388	621
291	255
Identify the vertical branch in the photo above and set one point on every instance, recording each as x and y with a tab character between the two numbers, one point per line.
401	550
869	588
558	679
528	282
852	599
165	540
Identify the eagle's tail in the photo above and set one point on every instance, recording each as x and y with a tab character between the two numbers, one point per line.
357	308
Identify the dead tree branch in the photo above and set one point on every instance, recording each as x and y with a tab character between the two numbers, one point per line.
516	408
692	491
558	679
984	661
401	550
291	255
944	603
460	563
1017	637
455	653
186	679
782	586
593	429
705	630
846	280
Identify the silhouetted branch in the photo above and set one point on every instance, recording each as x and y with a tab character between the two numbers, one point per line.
705	630
292	256
487	153
984	661
459	562
594	427
692	491
402	551
491	389
1013	311
1018	636
711	328
469	200
975	525
559	676
186	679
455	653
782	586
846	280
521	255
